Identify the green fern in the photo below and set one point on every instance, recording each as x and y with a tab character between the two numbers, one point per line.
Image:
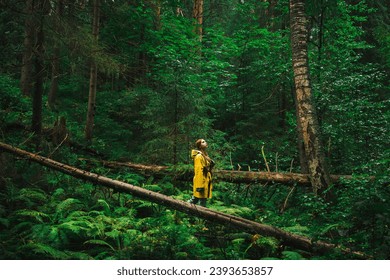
77	255
329	228
45	251
80	228
22	227
291	255
105	205
36	215
232	209
95	213
298	229
31	196
58	193
78	214
132	178
99	242
4	222
155	188
68	204
124	211
114	234
263	246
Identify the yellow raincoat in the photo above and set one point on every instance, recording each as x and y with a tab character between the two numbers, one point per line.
202	187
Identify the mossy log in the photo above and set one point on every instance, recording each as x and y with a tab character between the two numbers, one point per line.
248	177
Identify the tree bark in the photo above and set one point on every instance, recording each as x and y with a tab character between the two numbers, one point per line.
249	226
93	75
246	177
158	15
28	43
55	72
36	124
306	112
303	163
197	14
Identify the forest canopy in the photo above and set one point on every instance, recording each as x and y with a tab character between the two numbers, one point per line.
275	86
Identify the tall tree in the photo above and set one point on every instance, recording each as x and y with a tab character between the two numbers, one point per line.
29	38
93	74
306	111
197	14
55	72
42	8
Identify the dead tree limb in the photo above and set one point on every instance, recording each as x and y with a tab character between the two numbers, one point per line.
287	238
221	175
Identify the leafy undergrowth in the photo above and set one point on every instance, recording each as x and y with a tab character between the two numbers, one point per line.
48	215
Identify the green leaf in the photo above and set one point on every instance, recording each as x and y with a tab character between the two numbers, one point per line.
99	242
36	215
291	255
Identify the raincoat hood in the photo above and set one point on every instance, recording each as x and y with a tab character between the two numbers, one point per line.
194	153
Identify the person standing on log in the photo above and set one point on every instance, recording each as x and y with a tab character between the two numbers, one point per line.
203	164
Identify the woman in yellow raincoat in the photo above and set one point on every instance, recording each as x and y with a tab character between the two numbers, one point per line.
203	164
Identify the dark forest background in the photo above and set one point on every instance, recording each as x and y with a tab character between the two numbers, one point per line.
163	80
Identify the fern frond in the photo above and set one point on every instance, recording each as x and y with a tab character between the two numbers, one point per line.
78	214
76	227
95	213
24	226
68	204
131	178
233	210
106	207
328	228
144	203
4	222
105	256
267	241
155	188
78	255
298	229
124	211
113	234
38	216
58	192
32	196
291	255
45	251
99	242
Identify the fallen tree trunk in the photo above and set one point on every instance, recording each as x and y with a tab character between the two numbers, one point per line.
290	239
222	175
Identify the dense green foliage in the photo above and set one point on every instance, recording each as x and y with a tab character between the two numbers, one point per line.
161	88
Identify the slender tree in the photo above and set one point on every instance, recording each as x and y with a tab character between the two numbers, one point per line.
306	112
55	72
197	14
93	75
156	5
28	43
42	8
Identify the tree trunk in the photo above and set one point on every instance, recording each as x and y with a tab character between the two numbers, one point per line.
93	75
55	72
249	226
29	39
175	125
246	177
303	163
36	125
306	113
197	14
157	12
